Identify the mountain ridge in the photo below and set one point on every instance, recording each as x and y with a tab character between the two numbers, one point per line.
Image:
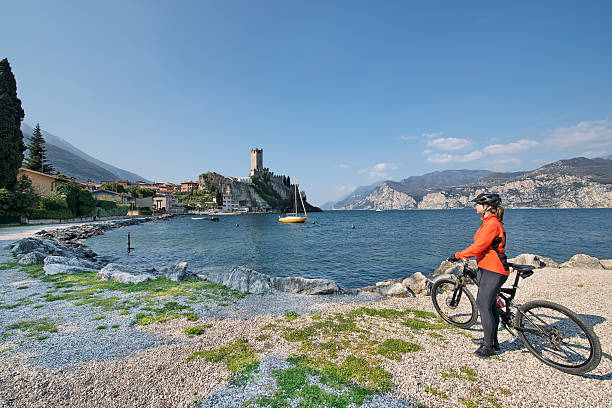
73	162
571	183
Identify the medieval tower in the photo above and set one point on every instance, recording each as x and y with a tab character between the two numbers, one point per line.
256	161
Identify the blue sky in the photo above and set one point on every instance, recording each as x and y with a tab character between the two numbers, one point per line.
337	93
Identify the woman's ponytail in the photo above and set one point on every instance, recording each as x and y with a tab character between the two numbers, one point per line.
500	214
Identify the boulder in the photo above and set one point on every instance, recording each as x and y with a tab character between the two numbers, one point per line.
582	261
177	272
417	283
395	289
54	269
549	262
242	279
31	258
71	261
606	263
297	284
125	273
452	268
23	246
528	259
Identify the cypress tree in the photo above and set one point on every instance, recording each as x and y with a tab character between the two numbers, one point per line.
38	153
11	137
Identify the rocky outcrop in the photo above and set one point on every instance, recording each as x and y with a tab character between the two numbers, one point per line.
582	261
452	268
177	272
61	264
417	283
534	260
125	274
32	258
305	286
243	279
384	198
606	263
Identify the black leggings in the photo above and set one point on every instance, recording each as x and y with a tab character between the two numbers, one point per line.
489	283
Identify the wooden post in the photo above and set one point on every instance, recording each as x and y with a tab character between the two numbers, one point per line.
129	246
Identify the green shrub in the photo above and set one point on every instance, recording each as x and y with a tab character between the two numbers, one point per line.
119	210
106	204
78	198
15	202
53	202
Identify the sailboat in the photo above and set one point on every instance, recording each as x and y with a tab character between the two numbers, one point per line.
295	218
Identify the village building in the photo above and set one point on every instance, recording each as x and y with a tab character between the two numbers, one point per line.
43	184
108	195
189	186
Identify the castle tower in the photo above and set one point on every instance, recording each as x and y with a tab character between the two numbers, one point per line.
256	161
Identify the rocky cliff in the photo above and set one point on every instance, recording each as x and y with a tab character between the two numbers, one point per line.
574	183
263	192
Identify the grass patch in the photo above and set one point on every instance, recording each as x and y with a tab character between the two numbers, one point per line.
295	386
262	337
433	391
197	330
114	326
394	348
465	372
35	327
33	271
9	265
102	327
291	316
99	317
420	324
239	358
22	287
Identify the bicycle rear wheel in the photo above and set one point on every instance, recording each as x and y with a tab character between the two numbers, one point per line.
558	337
454	303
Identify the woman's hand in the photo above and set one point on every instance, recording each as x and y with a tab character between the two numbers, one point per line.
452	258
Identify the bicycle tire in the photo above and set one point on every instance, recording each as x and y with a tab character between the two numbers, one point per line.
551	336
464	314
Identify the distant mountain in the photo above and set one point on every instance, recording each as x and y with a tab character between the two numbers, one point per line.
414	186
73	162
356	194
573	183
607	157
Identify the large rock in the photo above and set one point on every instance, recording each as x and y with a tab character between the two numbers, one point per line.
32	258
177	272
606	263
529	259
242	279
72	261
23	246
125	273
452	268
417	283
297	284
396	289
582	261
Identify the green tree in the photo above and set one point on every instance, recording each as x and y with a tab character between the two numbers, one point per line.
79	199
116	187
38	160
11	137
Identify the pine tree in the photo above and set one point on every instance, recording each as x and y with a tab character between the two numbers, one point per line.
11	137
38	153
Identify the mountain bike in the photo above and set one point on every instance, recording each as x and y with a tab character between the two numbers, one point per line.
554	334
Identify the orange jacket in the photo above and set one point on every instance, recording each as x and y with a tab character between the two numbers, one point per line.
486	257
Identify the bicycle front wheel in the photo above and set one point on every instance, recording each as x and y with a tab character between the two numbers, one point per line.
454	302
558	337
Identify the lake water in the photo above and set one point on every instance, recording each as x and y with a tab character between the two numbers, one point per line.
387	244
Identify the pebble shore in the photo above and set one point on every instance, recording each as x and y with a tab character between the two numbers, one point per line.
81	365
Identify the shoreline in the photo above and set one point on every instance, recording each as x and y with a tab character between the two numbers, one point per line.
136	364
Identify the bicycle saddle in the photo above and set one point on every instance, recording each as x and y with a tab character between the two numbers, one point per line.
524	271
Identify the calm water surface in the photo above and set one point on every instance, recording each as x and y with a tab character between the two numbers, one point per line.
387	244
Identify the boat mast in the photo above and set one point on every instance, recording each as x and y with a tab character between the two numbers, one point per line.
295	197
303	206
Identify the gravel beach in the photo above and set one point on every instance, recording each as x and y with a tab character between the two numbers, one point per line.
80	354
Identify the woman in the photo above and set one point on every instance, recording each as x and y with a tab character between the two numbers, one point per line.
489	249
